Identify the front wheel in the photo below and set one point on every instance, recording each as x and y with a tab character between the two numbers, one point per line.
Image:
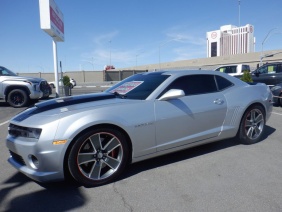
252	125
98	156
17	98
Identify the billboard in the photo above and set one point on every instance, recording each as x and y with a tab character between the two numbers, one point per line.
51	19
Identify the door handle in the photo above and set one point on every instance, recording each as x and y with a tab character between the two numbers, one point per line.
218	101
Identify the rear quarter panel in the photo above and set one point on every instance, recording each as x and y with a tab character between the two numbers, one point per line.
239	98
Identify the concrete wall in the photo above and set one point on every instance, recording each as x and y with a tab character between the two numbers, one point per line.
79	76
252	59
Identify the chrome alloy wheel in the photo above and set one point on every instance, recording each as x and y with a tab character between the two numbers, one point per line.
254	124
100	156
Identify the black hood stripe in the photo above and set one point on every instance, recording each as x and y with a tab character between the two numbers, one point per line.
62	102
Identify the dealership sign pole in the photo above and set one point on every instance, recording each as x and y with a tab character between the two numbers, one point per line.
52	22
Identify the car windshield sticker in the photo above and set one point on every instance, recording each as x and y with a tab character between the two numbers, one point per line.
126	87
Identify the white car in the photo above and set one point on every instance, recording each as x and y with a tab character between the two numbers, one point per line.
234	69
72	81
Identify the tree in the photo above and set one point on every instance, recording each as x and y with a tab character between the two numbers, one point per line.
66	81
246	76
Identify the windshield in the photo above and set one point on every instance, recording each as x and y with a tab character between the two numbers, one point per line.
138	86
6	72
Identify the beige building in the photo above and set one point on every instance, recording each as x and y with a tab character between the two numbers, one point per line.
230	40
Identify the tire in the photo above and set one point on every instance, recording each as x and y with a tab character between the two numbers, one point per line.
17	98
252	125
280	100
98	157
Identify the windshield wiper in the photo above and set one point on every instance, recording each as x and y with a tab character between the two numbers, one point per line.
122	96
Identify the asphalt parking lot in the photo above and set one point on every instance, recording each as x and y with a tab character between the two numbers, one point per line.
222	176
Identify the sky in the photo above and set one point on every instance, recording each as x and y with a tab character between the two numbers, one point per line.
127	33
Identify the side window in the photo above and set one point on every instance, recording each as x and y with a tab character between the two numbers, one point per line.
233	69
245	67
195	84
271	69
279	68
222	83
263	70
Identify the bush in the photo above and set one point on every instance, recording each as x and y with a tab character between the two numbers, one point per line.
246	76
66	81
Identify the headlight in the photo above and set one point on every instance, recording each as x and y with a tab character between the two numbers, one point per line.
275	88
27	132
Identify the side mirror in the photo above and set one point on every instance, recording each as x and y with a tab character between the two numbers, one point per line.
172	94
256	74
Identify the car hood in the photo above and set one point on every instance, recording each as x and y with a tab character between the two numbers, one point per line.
59	105
18	78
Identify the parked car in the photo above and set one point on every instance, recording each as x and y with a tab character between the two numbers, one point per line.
277	94
93	137
72	81
234	69
269	73
20	91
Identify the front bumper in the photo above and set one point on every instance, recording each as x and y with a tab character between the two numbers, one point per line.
43	166
36	95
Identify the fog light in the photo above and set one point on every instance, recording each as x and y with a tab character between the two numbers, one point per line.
33	161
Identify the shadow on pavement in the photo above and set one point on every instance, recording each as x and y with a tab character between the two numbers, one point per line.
187	154
61	196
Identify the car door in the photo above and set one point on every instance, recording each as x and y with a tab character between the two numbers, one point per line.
1	85
268	74
197	116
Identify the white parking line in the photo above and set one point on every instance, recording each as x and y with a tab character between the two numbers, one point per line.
1	124
280	114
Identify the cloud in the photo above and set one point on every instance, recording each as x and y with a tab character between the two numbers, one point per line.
104	39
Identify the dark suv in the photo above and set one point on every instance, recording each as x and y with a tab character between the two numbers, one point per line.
269	73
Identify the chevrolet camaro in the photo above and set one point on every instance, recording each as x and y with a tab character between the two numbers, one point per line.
93	137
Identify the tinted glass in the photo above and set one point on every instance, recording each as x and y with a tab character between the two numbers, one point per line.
139	86
279	68
267	69
6	72
222	83
245	68
228	69
195	84
214	49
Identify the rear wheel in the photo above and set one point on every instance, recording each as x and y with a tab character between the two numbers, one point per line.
252	125
98	156
17	98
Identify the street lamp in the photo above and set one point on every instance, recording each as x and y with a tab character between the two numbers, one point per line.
239	34
264	40
162	44
91	62
269	55
110	42
136	58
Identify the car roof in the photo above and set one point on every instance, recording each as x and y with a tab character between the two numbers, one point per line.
185	72
178	73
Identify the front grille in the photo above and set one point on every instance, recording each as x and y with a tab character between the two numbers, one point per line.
45	88
17	158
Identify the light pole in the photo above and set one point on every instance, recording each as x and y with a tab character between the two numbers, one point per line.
110	42
136	59
162	44
264	40
239	33
91	62
269	55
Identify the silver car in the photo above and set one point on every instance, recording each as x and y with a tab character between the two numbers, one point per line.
93	137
